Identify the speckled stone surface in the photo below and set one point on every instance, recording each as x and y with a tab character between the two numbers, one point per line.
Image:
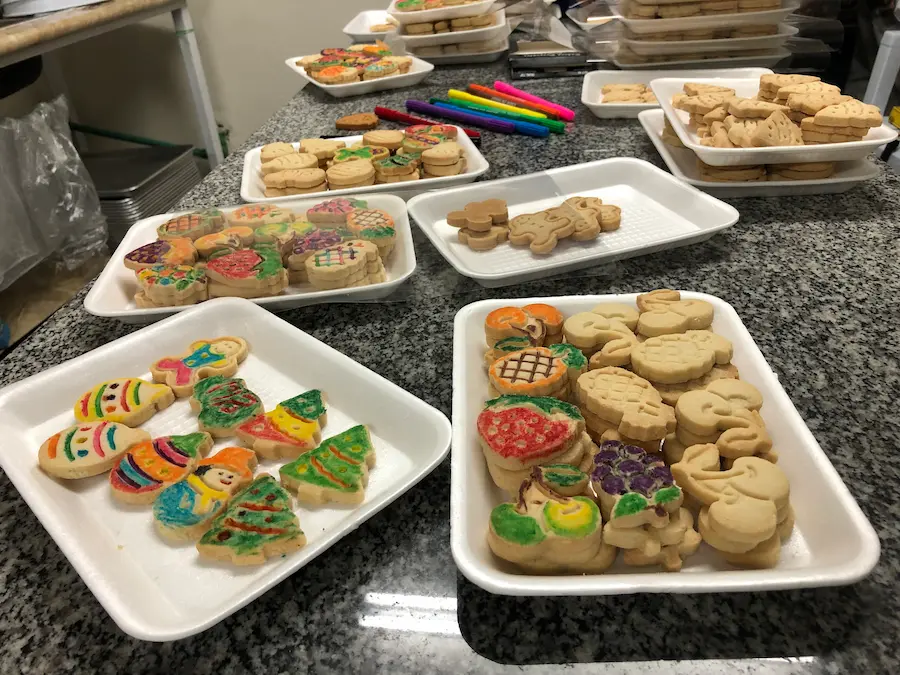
815	280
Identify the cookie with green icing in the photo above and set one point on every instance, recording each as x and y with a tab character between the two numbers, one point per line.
222	404
544	531
258	523
252	272
336	471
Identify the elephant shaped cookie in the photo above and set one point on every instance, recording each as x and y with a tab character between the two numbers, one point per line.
627	401
743	505
608	341
663	312
725	414
680	357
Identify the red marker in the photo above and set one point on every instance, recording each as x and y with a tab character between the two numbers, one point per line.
403	118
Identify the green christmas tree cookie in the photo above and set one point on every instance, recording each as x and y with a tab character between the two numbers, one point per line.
336	471
224	403
258	524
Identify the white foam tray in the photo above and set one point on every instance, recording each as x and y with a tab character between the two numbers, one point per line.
591	88
643	26
575	16
832	542
253	189
665	88
358	27
417	72
440	14
662	47
157	591
768	60
112	294
683	165
457	59
492	32
658	212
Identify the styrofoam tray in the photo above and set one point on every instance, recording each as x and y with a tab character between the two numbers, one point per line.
766	60
253	190
440	14
417	72
683	165
594	81
112	295
156	591
658	212
575	15
665	88
495	30
28	7
659	47
643	26
475	57
832	542
358	27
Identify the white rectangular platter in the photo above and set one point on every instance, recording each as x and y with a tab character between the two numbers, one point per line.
113	293
832	542
417	72
643	26
658	212
467	57
764	59
441	13
157	591
677	47
358	28
683	165
495	30
592	86
253	190
665	88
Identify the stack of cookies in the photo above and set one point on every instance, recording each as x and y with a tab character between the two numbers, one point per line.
627	93
346	265
443	159
648	9
451	25
421	5
350	174
735	174
353	64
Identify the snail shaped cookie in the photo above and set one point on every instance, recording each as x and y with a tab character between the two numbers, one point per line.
544	531
608	341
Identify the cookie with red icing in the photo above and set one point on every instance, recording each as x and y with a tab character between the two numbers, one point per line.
249	273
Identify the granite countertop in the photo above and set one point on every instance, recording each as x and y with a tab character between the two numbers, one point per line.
816	281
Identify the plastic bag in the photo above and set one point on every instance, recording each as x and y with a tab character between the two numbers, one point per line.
48	204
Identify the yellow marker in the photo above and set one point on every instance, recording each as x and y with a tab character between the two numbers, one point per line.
894	117
465	96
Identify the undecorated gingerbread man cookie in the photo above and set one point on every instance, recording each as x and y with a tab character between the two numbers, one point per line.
540	231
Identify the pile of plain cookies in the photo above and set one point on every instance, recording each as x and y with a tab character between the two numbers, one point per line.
215	501
451	25
257	250
486	224
648	9
626	92
706	34
626	428
383	156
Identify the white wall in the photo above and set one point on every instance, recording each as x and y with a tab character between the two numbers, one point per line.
132	80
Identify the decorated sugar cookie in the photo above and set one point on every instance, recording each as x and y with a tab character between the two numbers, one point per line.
257	524
293	427
178	251
87	449
229	239
163	286
282	235
257	267
544	531
192	225
541	324
131	401
224	403
147	468
256	215
336	471
334	212
219	356
184	510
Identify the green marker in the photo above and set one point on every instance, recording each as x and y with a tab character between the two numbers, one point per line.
553	125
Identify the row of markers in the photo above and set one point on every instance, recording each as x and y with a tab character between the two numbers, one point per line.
503	109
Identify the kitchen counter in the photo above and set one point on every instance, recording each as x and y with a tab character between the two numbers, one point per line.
815	280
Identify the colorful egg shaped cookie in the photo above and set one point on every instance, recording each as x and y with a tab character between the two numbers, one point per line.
87	449
147	468
178	251
131	401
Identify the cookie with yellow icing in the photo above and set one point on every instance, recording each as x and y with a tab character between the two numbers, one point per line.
291	429
129	400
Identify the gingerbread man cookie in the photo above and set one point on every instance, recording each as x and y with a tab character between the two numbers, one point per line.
540	231
219	356
480	216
